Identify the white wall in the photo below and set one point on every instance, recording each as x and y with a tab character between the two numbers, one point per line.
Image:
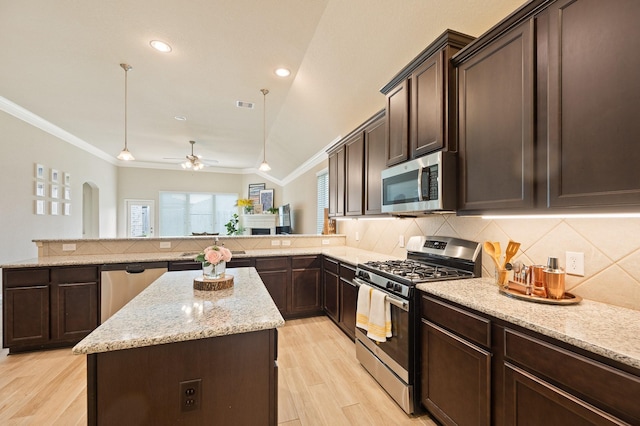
21	146
302	194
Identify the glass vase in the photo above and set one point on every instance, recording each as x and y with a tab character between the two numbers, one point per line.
212	271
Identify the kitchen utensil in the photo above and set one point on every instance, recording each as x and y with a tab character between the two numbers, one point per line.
498	251
517	268
512	249
490	249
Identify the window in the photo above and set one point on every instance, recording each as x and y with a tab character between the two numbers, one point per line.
323	198
188	213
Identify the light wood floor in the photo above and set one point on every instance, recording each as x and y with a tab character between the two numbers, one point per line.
320	383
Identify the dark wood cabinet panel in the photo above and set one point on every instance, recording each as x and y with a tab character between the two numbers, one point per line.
336	182
348	300
306	285
496	124
469	326
25	316
74	310
397	130
277	283
354	175
593	98
427	101
374	163
331	289
455	378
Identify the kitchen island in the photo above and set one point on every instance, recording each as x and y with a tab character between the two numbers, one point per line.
178	355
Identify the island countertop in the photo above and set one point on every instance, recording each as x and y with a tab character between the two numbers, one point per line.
607	330
170	311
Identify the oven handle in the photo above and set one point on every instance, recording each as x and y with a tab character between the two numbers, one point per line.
393	300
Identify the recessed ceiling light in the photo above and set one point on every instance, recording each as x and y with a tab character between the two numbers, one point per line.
282	72
180	118
160	46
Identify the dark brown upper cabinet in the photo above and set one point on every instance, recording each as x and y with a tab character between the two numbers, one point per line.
547	110
355	163
421	102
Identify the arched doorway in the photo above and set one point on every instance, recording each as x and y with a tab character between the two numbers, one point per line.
90	210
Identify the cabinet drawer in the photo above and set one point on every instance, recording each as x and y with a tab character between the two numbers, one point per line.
472	327
304	262
347	272
25	277
331	265
243	262
184	265
80	274
599	384
272	263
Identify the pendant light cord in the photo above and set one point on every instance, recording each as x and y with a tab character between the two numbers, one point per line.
265	92
126	68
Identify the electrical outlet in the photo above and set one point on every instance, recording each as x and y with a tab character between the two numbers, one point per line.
190	395
275	242
401	240
325	242
68	247
286	242
357	236
165	244
575	263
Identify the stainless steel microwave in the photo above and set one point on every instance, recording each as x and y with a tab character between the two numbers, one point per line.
424	185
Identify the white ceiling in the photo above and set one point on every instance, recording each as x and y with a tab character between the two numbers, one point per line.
60	61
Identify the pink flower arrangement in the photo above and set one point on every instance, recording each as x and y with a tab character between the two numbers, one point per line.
213	255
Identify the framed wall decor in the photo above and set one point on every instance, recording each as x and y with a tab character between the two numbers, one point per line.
54	191
67	193
39	206
55	175
40	189
54	207
39	171
67	209
254	192
66	178
266	198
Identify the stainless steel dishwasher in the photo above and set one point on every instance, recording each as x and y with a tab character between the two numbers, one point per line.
121	282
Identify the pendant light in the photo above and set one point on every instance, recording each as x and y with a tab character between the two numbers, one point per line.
264	167
125	154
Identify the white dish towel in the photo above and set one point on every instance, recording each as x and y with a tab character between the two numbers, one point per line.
379	317
363	307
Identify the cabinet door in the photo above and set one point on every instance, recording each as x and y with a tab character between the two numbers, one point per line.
336	183
530	400
397	128
354	175
26	315
375	162
455	378
427	106
306	291
594	92
74	310
348	300
331	289
496	124
275	273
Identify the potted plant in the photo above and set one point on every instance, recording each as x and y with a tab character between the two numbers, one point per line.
246	204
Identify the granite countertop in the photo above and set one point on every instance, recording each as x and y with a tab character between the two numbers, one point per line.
343	253
170	310
606	330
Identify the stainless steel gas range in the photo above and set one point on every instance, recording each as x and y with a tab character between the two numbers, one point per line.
393	362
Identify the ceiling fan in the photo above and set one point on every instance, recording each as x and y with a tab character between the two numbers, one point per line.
194	162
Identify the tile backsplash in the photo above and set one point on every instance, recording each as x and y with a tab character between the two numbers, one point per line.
611	246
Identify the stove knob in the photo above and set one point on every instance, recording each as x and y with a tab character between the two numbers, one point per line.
389	285
396	287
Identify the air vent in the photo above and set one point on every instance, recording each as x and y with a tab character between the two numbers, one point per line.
241	104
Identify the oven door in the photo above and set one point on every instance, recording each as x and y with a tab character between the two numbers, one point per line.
394	353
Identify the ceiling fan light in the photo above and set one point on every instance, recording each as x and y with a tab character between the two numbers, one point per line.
125	155
264	167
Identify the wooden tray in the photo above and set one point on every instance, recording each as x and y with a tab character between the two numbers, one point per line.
567	299
224	282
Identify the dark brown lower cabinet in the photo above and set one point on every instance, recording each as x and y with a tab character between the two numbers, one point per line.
234	382
306	285
479	370
348	300
48	307
455	378
331	286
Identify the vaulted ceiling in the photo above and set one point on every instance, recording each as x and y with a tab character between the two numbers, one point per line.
59	60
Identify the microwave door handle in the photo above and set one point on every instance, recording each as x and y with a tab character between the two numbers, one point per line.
420	170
